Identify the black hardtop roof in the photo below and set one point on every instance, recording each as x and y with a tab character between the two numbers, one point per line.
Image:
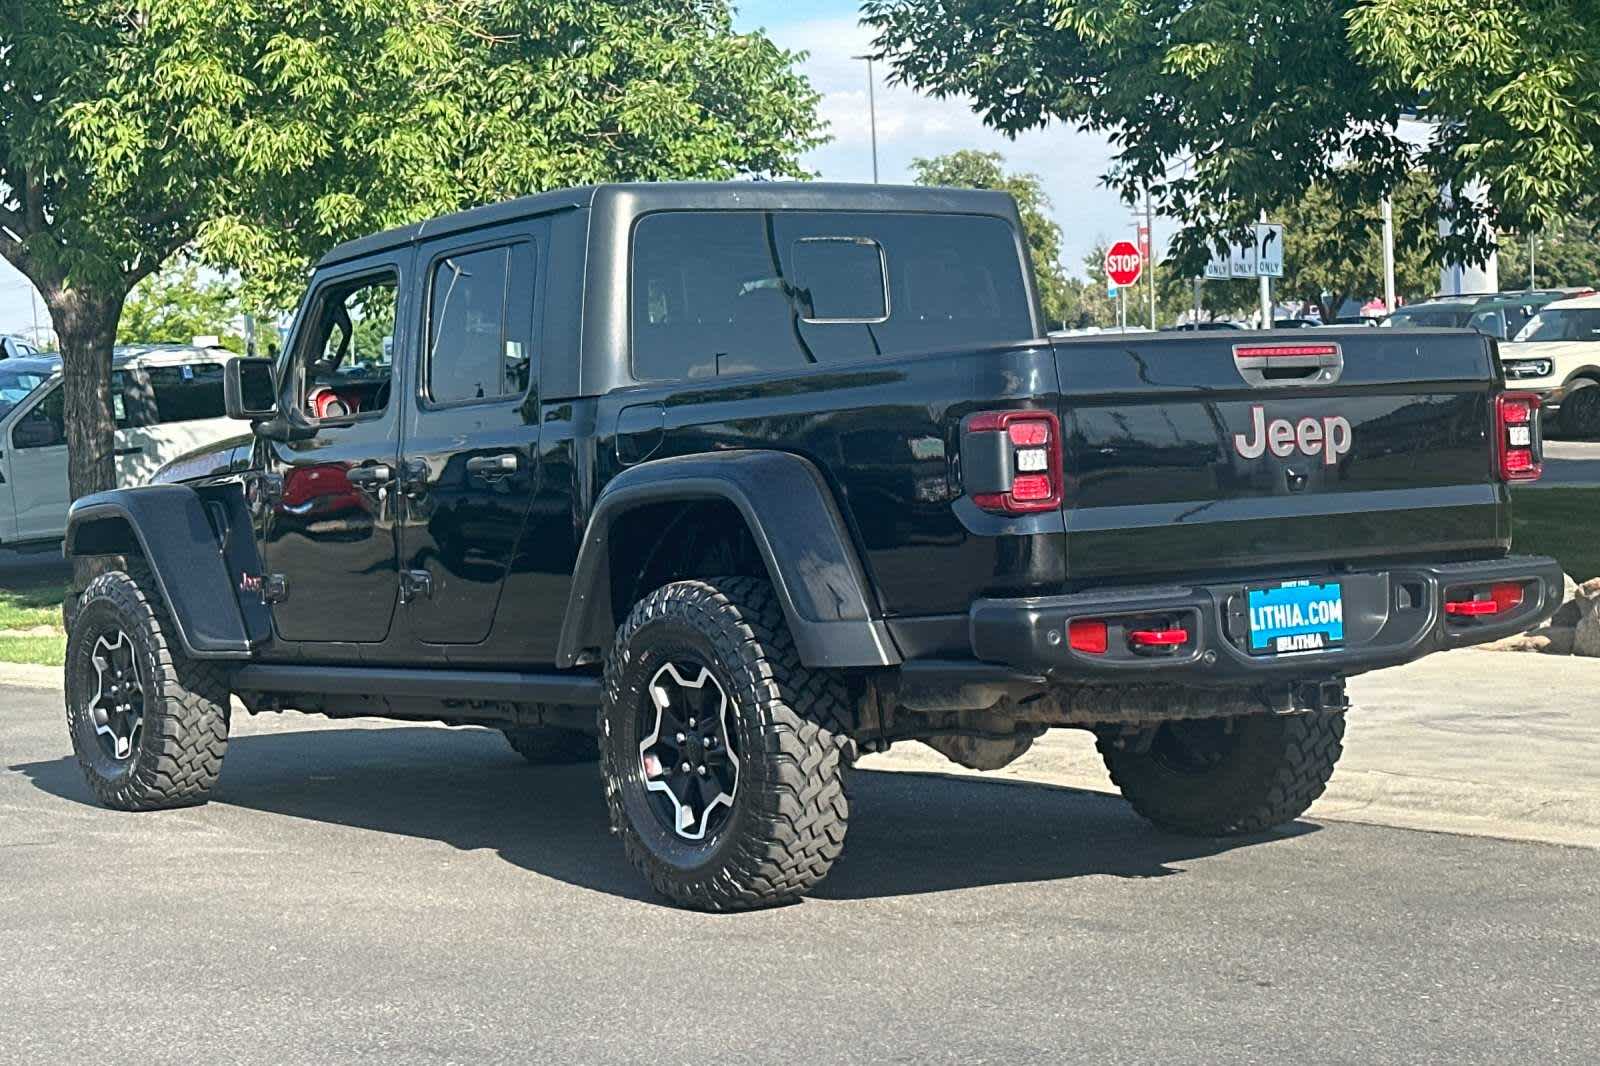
641	197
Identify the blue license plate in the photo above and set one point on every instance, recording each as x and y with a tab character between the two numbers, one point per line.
1295	616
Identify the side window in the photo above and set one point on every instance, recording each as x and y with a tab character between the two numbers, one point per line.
840	279
480	318
186	393
45	426
345	363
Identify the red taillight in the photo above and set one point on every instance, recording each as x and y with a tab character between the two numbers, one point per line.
1087	635
1025	475
1284	351
1516	436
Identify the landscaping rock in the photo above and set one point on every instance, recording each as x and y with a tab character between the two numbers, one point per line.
1586	634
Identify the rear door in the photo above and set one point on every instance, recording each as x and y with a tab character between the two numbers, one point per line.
471	429
1271	451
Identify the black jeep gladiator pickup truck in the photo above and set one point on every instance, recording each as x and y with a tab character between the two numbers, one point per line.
725	484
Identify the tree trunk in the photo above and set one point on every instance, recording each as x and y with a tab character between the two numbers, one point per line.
86	323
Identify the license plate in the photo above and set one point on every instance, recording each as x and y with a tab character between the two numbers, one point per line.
1295	616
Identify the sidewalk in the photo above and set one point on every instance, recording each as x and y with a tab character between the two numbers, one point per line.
1482	743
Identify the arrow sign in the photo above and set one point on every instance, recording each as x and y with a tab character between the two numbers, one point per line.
1269	249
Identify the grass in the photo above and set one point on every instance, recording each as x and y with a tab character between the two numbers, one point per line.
1560	523
45	651
29	601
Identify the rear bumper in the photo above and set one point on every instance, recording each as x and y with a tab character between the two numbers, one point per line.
1392	616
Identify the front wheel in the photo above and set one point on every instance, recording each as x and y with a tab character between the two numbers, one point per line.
1223	776
1580	411
723	757
149	725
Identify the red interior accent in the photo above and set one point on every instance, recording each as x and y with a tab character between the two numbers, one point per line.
1158	638
1087	635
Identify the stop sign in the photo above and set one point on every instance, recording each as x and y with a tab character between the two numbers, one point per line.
1124	263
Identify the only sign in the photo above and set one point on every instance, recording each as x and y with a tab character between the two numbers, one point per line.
1124	263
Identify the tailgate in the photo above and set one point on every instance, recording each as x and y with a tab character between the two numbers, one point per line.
1263	451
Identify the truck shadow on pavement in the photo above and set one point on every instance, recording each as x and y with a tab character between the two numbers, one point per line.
909	832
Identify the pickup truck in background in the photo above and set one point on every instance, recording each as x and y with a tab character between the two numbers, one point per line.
724	484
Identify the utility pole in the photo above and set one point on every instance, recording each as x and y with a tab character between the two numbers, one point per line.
1388	256
1266	290
1533	242
872	115
1149	251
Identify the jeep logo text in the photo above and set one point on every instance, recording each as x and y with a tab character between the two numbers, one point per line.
1328	436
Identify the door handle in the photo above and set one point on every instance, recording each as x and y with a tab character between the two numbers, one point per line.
134	450
366	477
493	467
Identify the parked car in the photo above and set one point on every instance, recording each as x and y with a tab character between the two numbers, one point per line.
15	347
166	400
1557	356
724	484
1202	327
1448	314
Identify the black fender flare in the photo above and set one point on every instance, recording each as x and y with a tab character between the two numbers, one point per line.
167	525
796	524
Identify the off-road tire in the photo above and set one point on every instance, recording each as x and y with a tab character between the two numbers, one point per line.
788	817
178	755
1271	770
544	745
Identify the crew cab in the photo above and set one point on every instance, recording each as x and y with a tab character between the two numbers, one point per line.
725	484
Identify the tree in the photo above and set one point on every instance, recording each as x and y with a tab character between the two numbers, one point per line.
260	132
1227	107
176	305
1566	254
1333	252
972	169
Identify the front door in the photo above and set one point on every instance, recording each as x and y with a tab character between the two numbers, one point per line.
471	431
329	533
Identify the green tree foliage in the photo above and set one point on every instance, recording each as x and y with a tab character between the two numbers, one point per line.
1566	254
260	132
175	305
1333	251
1226	107
972	169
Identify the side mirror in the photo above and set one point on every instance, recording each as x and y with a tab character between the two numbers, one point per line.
249	391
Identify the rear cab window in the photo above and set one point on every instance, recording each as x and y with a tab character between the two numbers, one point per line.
728	292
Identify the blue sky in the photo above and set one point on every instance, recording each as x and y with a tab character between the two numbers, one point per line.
909	125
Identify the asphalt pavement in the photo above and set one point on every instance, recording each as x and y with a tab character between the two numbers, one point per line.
1570	463
362	892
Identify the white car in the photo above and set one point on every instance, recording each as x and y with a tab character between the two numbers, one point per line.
167	401
1557	355
15	347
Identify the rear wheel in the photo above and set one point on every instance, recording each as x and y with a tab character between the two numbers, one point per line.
723	756
149	725
1221	776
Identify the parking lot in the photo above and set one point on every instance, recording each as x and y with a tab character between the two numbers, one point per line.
413	894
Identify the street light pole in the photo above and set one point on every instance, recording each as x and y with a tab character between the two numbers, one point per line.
872	115
1388	256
